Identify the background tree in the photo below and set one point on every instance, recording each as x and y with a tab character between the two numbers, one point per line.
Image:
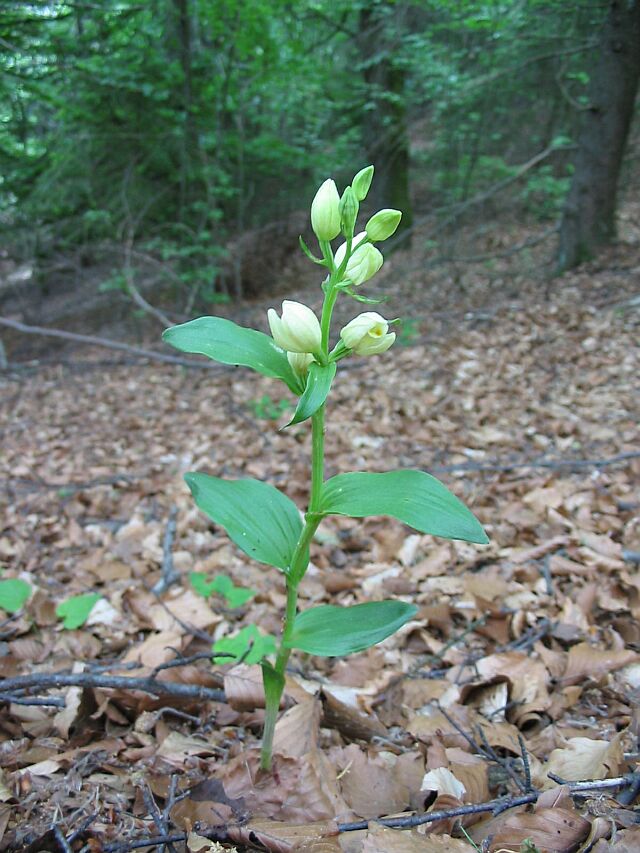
589	217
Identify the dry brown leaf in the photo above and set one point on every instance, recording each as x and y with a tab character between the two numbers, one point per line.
306	789
297	729
554	830
243	687
583	758
277	837
176	747
380	838
156	649
626	841
377	784
587	661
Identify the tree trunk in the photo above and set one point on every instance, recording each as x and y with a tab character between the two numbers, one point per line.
385	135
588	221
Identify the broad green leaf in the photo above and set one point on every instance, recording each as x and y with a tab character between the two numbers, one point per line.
225	341
329	630
414	497
248	646
235	596
315	393
14	592
262	521
75	610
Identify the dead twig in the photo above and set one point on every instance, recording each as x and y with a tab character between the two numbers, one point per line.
58	680
92	340
169	573
125	846
552	464
497	806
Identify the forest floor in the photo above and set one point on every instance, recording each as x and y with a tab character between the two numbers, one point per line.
509	703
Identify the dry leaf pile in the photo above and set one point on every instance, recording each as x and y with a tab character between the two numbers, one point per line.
516	683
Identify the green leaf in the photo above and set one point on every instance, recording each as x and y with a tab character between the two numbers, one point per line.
262	521
414	497
248	646
235	596
315	393
75	610
329	630
14	592
224	341
309	254
273	682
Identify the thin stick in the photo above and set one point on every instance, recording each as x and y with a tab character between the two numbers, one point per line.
57	680
92	340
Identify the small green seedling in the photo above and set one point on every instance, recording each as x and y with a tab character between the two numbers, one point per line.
14	594
235	596
248	646
267	409
75	610
260	519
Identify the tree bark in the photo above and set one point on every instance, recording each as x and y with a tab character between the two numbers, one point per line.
385	134
588	220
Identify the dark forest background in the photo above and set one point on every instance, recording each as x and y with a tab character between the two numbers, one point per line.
177	142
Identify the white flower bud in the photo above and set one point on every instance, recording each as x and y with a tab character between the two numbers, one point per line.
362	182
363	264
367	334
325	212
298	330
341	251
300	362
383	224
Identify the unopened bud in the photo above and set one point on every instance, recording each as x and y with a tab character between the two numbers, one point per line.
363	264
383	224
362	182
298	330
325	211
348	212
367	334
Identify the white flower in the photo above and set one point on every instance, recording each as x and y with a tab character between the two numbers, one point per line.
367	334
298	330
341	251
300	362
325	212
383	224
363	264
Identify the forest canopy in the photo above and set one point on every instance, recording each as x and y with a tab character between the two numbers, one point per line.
177	125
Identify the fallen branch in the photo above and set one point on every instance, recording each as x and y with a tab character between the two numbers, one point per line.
496	807
57	680
552	464
92	340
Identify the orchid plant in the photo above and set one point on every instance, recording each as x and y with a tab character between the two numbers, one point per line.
263	521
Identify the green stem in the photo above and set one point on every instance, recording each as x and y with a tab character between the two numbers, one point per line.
300	559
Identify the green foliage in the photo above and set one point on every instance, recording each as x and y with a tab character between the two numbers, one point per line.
408	332
235	596
544	193
317	389
414	497
247	646
261	521
267	409
226	342
75	611
331	631
14	593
